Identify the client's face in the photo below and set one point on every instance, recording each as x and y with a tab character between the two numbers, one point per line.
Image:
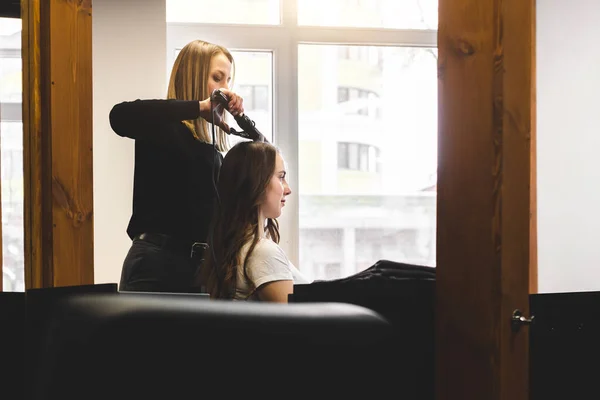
277	191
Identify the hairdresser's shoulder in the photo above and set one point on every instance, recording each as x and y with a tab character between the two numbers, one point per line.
135	102
126	105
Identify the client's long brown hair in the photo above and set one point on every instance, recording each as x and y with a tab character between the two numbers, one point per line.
243	180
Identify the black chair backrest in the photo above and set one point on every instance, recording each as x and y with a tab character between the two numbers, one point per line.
40	305
12	344
405	295
564	346
140	346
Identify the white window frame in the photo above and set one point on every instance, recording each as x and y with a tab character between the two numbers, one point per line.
283	40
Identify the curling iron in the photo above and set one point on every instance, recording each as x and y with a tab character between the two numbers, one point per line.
248	126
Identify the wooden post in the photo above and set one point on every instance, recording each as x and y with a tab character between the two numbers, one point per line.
57	124
486	108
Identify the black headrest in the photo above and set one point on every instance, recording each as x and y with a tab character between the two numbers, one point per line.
12	337
99	345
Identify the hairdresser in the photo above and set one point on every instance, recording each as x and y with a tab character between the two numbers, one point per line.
177	161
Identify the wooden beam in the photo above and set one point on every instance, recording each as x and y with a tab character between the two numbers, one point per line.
517	18
57	118
486	51
33	167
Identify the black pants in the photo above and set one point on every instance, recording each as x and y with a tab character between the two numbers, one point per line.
150	268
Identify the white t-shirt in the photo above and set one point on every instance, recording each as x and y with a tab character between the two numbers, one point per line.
267	263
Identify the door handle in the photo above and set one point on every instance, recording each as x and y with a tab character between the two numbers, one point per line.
518	320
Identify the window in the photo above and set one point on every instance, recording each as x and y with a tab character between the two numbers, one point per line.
343	156
343	94
358	157
373	54
11	156
256	97
359	101
395	14
354	112
253	79
260	12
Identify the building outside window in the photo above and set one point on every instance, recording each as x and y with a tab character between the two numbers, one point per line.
359	101
11	155
358	157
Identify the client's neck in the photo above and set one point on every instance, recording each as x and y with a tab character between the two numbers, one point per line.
262	224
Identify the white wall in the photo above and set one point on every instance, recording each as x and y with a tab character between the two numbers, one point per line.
129	53
568	89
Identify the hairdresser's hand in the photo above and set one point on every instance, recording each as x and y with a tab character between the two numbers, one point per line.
236	107
236	103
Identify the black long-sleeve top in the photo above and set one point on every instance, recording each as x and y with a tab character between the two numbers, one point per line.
173	188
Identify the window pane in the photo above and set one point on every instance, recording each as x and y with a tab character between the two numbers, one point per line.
253	80
378	200
353	156
364	152
392	14
10	83
342	155
246	92
261	97
11	161
245	12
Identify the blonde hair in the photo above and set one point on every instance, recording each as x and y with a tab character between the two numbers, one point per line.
189	81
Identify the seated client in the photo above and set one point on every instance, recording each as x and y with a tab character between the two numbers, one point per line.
245	261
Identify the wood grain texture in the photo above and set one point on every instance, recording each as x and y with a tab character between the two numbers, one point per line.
483	228
71	127
58	143
518	16
33	159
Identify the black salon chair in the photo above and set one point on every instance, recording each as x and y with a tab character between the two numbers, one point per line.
12	344
140	346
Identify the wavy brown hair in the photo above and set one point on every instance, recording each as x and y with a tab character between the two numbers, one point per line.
189	81
244	177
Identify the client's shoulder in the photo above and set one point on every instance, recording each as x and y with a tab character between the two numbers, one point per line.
266	247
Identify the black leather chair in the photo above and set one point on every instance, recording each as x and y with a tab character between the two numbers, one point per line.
12	344
405	295
170	347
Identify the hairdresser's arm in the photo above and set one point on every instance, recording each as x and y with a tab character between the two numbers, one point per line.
276	292
141	119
